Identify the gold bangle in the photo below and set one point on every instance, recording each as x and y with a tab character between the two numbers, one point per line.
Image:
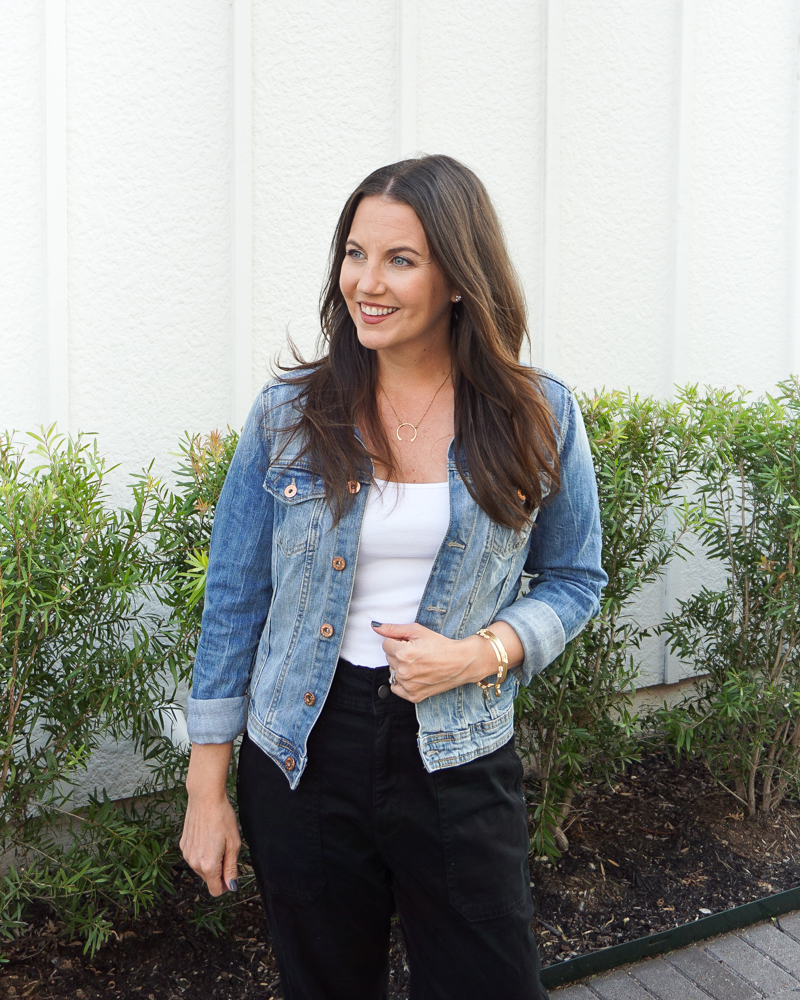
502	663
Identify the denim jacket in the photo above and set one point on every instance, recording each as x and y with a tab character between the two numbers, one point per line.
280	578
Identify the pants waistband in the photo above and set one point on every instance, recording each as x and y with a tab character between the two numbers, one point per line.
366	689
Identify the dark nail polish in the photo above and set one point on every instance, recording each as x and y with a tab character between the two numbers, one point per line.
233	885
377	624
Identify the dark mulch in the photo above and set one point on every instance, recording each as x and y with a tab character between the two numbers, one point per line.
159	957
663	846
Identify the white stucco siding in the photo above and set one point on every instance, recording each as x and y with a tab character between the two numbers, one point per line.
148	164
739	282
616	183
149	182
22	267
324	110
480	99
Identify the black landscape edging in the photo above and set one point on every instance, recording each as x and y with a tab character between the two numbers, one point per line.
669	940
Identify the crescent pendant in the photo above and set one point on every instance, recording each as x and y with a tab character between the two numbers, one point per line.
406	424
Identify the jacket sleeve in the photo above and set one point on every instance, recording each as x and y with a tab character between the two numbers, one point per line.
564	558
238	591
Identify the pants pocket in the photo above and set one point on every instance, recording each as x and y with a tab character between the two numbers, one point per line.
281	825
485	835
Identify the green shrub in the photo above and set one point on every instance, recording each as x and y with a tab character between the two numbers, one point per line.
99	618
186	517
81	658
574	721
745	638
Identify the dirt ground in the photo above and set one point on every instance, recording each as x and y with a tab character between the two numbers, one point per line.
663	846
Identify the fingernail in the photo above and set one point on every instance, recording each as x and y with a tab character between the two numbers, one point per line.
377	624
233	884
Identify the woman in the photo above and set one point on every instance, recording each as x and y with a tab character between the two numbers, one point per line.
364	621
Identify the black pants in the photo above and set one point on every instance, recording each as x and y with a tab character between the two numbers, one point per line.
368	830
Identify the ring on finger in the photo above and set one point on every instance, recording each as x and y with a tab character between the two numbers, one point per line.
392	677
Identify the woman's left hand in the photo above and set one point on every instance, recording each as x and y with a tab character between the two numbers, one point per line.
426	663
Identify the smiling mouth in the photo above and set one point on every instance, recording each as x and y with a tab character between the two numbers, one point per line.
369	310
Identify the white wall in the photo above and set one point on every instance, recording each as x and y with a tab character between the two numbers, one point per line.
616	192
148	200
643	157
150	186
22	221
323	117
743	162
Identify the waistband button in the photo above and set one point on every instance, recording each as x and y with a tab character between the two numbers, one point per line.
384	691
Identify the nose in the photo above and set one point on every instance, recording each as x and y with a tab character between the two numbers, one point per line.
371	280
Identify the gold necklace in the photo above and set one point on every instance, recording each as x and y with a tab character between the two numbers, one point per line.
407	423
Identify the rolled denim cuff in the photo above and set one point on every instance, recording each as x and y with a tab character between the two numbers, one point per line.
540	631
216	720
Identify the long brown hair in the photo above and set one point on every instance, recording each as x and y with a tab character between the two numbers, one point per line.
506	449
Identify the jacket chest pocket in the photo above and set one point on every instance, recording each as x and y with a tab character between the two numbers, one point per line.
300	501
507	541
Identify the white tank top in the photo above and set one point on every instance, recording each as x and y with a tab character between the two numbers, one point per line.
403	528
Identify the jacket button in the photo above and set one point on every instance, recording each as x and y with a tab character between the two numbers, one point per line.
309	698
339	563
354	486
289	763
290	491
326	631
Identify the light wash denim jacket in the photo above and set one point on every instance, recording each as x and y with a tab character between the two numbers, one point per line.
280	578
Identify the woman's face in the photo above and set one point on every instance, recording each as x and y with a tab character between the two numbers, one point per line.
396	293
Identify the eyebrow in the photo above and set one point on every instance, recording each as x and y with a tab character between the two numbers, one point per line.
392	251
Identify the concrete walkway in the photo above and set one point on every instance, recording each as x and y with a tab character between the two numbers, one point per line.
759	963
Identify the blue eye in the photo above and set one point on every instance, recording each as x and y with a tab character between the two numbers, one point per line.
403	261
355	254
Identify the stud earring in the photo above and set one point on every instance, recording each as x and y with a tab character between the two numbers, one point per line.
457	298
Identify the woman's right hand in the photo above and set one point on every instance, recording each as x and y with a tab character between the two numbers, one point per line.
210	842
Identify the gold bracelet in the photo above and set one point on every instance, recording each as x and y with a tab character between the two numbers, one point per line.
502	664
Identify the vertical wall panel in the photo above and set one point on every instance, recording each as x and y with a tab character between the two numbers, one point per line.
682	195
324	115
546	344
242	211
480	97
22	261
793	338
739	291
407	37
56	241
149	168
618	113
